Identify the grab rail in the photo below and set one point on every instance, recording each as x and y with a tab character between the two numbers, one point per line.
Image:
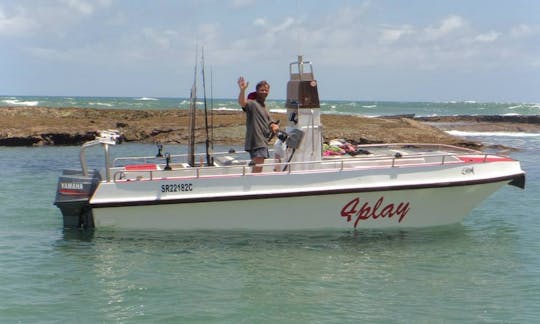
449	148
323	165
146	159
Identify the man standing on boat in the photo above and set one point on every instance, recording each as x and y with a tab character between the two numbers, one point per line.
259	125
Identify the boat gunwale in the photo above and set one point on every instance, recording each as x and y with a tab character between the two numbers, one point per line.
516	177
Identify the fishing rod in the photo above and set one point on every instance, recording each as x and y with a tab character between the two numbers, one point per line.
192	112
209	159
212	110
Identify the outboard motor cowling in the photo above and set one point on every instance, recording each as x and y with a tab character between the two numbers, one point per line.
72	197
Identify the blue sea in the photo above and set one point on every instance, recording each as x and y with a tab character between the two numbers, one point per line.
366	108
485	270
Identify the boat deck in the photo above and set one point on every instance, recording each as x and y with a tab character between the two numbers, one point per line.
237	163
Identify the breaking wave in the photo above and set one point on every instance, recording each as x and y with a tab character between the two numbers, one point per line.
492	134
16	102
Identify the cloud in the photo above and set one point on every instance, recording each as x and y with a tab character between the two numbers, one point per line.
241	3
447	26
283	26
160	38
393	34
487	37
18	23
271	29
85	7
524	30
351	38
79	6
22	18
260	22
47	53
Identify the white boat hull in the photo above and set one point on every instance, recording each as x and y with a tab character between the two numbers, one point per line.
419	208
410	197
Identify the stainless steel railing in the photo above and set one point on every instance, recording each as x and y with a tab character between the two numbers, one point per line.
442	155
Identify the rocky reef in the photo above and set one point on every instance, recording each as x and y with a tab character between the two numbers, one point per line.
35	126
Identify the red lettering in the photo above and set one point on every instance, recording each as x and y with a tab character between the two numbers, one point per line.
363	213
374	211
376	207
349	209
388	211
402	210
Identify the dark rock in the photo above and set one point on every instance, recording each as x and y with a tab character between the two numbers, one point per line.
20	141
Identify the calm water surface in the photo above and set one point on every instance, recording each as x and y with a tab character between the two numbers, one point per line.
484	270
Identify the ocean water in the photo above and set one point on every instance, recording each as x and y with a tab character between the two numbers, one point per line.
485	270
367	108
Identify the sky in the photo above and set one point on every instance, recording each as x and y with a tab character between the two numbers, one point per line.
373	50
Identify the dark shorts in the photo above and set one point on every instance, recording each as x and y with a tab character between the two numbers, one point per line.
259	152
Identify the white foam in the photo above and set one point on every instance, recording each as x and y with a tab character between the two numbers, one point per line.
146	99
100	104
515	107
370	106
226	109
16	102
278	110
492	134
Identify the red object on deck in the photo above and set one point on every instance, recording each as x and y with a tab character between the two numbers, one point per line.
141	167
483	158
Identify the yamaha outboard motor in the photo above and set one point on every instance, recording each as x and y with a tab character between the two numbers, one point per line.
72	197
76	187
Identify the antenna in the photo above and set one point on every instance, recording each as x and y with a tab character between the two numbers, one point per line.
298	38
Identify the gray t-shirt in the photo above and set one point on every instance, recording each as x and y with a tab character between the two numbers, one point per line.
257	125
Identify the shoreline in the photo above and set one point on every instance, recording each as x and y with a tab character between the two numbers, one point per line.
41	126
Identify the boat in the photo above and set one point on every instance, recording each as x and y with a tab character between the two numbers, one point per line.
382	186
